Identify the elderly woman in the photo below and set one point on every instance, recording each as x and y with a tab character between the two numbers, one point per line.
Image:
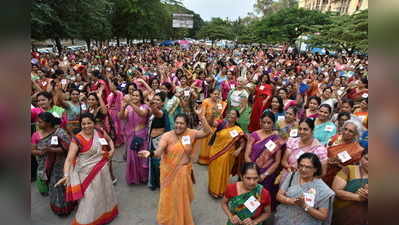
236	95
304	198
344	149
351	188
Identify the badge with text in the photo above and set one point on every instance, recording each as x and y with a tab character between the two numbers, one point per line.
344	156
123	85
83	106
329	128
81	87
186	93
103	141
270	145
232	86
261	88
63	81
220	107
294	133
44	83
186	140
280	118
310	197
233	133
365	95
54	140
252	204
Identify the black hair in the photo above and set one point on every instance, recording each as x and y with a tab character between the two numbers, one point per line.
365	152
349	101
328	88
261	77
280	102
141	95
162	96
317	98
248	166
49	118
96	73
294	108
365	81
315	161
309	122
75	89
95	96
326	106
341	114
170	89
86	115
269	114
184	116
47	95
282	89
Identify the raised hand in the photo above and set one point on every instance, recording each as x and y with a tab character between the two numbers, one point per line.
144	154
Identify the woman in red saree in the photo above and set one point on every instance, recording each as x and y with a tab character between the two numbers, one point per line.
263	94
87	176
177	152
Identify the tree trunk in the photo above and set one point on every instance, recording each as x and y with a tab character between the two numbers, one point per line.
58	45
117	41
88	42
101	44
72	41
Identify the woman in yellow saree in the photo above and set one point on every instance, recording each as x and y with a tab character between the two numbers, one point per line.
226	143
177	178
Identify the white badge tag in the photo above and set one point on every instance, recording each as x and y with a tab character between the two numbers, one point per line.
362	118
186	140
339	92
365	95
233	133
103	141
56	115
344	156
270	145
310	197
299	154
123	85
252	204
294	132
81	87
232	86
186	93
280	118
83	106
54	140
262	87
329	128
220	107
63	81
44	83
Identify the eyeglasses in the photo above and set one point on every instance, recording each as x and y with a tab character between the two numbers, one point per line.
300	166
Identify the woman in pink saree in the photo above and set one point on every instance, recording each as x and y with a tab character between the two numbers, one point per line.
135	115
87	176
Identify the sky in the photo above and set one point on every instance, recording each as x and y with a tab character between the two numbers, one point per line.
220	8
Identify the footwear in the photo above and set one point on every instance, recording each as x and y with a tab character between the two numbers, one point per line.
114	181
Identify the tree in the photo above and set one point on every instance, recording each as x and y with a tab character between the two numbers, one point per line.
288	24
216	29
267	7
349	33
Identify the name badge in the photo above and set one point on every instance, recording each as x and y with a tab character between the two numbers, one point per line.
81	87
310	197
186	140
157	91
186	93
344	156
329	128
252	204
220	107
294	132
83	106
339	92
123	85
63	81
54	140
270	145
261	87
365	95
232	86
233	133
44	83
56	115
280	118
103	141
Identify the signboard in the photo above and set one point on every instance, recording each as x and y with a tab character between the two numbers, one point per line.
183	21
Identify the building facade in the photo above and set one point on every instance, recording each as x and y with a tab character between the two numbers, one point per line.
342	7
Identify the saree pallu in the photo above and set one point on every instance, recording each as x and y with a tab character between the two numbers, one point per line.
117	126
51	169
90	183
264	159
222	160
351	212
237	207
322	134
136	167
258	107
204	152
353	149
176	186
154	172
295	215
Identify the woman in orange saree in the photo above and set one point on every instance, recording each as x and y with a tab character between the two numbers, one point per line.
226	144
176	150
87	175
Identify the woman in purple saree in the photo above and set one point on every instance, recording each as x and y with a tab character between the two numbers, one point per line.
265	149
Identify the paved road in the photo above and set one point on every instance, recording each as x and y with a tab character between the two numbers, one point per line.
137	203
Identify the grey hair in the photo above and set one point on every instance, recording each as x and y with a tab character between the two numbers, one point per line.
358	124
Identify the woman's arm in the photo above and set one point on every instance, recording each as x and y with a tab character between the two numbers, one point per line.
110	143
339	185
141	111
233	218
206	129
274	166
72	152
240	148
248	149
282	198
266	213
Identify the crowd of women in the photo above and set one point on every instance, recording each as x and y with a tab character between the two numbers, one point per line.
282	133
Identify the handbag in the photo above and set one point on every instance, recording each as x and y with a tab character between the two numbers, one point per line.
137	142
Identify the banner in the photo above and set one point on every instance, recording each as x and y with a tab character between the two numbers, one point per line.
183	21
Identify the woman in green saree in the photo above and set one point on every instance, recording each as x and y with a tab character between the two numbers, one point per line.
246	201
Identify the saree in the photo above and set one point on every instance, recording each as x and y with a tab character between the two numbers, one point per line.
264	159
176	185
261	93
114	100
244	119
221	159
136	167
51	169
337	146
323	132
295	215
294	151
91	184
350	212
236	203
